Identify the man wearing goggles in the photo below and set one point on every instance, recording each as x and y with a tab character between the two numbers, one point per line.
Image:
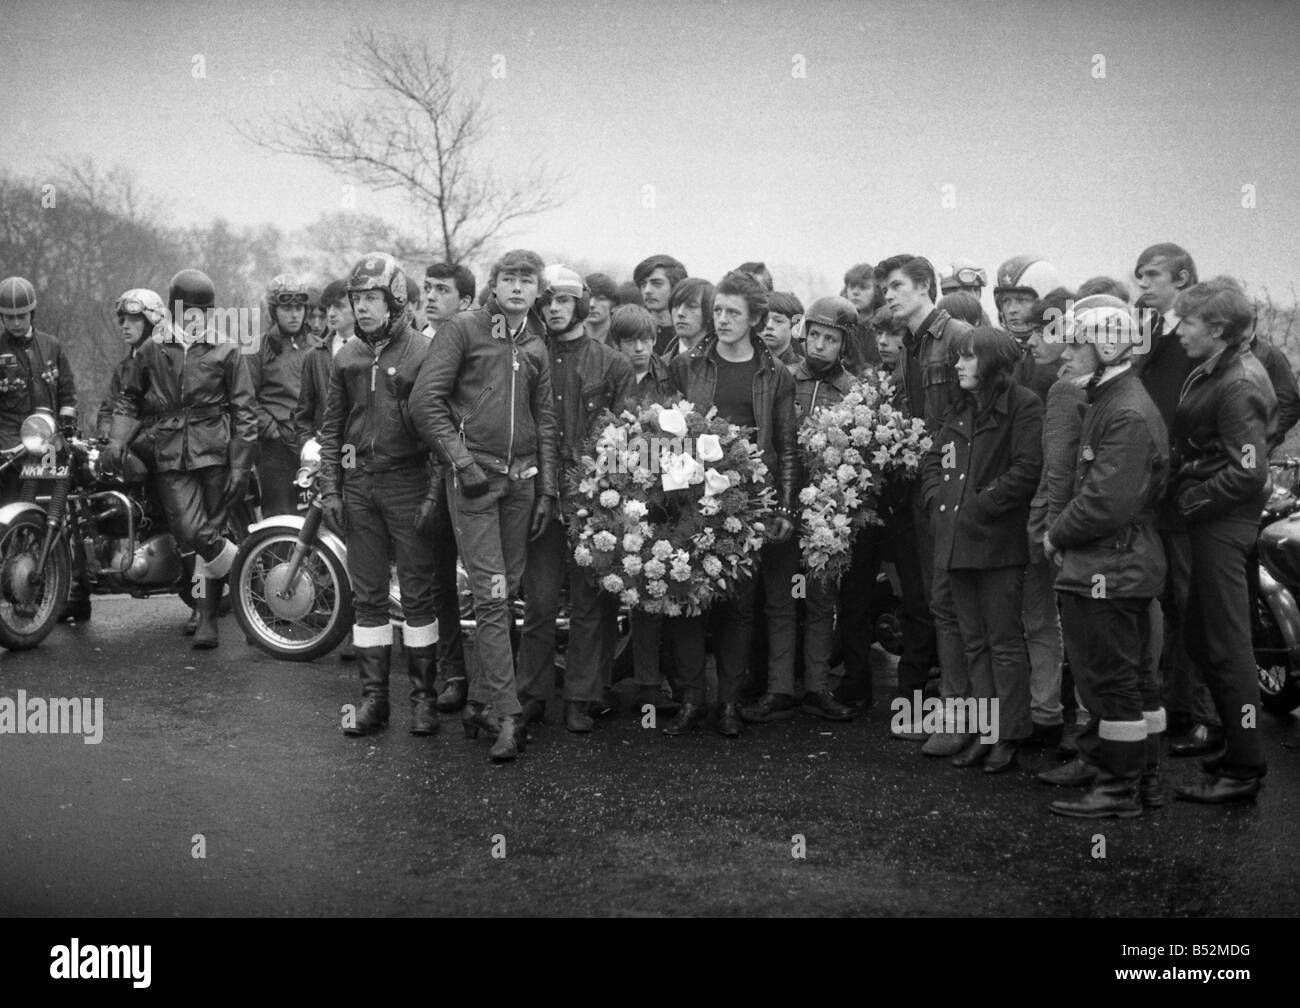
276	370
964	275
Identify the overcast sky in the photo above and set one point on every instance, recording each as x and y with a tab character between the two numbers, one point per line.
999	101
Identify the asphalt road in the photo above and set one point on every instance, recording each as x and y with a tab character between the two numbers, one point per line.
296	819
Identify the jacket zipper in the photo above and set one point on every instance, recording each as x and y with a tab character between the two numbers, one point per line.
813	405
474	409
514	367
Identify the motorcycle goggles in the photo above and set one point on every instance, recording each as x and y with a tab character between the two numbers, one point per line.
129	306
285	299
969	276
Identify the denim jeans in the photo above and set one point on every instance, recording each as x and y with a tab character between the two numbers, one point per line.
592	621
1042	638
492	536
1217	629
381	509
1181	671
819	634
446	592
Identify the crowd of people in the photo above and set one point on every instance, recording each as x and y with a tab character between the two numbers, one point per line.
1075	547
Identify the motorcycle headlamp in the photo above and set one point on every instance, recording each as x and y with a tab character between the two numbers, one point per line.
37	432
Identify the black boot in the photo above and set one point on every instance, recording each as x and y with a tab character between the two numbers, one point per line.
207	633
1114	795
454	692
422	665
475	717
509	743
1151	788
372	663
77	608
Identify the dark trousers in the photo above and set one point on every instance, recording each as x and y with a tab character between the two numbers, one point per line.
446	591
492	537
192	503
993	636
1217	631
1107	640
778	567
1182	674
381	509
732	622
896	540
276	468
592	616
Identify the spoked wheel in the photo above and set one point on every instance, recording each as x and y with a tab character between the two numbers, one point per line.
30	599
296	620
1279	689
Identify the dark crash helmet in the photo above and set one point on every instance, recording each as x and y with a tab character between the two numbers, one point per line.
192	289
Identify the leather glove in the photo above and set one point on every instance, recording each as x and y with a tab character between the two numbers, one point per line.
334	513
113	454
68	426
473	480
544	510
782	528
236	485
428	514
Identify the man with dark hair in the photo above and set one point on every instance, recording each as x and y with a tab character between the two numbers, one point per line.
448	289
604	296
784	315
1162	272
928	383
759	271
656	277
630	293
733	371
483	401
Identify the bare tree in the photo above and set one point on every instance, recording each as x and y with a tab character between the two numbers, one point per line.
414	128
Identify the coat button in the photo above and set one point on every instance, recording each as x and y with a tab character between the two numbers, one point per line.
946	477
962	476
943	507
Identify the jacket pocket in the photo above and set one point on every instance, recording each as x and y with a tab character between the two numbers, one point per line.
596	399
469	413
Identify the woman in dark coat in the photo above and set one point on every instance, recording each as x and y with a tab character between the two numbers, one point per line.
980	474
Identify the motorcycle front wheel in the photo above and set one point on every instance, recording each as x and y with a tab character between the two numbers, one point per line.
1279	687
301	621
28	612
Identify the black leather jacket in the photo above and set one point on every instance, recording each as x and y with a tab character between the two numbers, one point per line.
696	376
484	395
368	407
1224	423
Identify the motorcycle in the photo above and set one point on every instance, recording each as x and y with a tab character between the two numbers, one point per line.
289	582
292	595
1275	616
76	517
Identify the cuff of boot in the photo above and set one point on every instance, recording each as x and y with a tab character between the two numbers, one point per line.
372	636
219	566
419	637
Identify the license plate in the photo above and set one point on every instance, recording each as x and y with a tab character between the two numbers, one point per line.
34	470
304	498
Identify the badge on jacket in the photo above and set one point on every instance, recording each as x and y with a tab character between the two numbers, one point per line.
1087	454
